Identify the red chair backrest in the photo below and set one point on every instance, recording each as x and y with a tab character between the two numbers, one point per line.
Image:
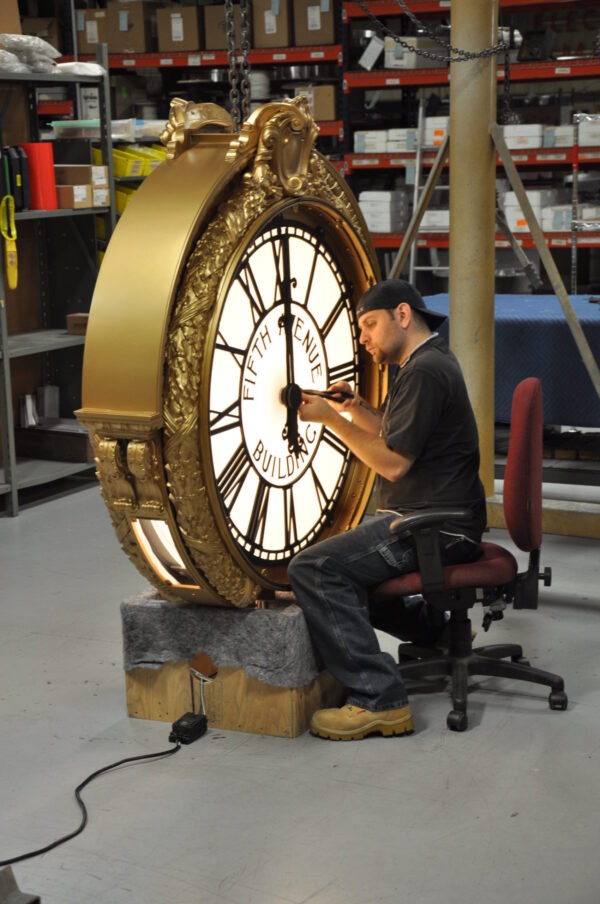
523	474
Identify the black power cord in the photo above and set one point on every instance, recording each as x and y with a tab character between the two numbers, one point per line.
78	790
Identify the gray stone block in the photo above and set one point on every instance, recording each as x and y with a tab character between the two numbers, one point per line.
272	645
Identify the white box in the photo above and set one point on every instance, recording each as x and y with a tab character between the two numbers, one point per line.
589	134
401	140
436	220
397	57
370	142
537	197
516	218
530	135
557	218
589	212
436	128
558	136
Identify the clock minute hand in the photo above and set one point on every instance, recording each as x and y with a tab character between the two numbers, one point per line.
289	397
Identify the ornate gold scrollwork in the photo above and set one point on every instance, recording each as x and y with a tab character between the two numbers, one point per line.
145	464
187	120
284	135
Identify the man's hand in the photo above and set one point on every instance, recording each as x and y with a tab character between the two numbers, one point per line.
318	410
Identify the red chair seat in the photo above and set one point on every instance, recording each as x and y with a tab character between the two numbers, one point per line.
494	567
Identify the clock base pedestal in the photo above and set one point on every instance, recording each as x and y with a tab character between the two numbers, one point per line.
269	685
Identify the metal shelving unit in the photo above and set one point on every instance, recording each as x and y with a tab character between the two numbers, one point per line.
17	474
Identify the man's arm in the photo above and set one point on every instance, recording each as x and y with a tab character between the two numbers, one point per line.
362	414
367	445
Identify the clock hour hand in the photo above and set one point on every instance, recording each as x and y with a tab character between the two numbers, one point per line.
291	397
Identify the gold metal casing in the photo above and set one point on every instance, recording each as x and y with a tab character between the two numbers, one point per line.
162	283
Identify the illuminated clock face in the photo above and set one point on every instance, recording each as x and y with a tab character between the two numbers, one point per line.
277	500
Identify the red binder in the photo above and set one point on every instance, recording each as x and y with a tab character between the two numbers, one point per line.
41	174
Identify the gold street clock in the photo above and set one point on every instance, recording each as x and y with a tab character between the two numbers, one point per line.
229	284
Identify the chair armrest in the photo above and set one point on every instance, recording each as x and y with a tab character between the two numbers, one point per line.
425	528
407	524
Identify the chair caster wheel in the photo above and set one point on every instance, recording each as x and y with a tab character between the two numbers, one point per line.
520	660
456	720
558	700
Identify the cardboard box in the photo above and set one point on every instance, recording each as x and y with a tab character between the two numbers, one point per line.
46	29
313	23
321	100
91	28
129	26
81	174
77	323
178	28
10	20
215	34
100	197
398	57
271	24
73	197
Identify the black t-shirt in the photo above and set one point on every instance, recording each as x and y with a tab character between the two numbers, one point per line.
428	415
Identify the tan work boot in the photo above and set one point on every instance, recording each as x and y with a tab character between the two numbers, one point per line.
351	723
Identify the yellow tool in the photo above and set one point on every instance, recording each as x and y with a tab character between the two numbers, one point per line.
9	232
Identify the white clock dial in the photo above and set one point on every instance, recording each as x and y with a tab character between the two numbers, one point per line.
276	501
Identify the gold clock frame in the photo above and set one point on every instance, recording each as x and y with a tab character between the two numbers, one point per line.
154	316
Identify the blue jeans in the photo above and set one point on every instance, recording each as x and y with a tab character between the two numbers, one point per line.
330	581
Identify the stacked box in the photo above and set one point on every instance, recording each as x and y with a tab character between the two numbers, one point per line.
436	221
385	211
589	133
436	128
539	198
92	29
129	26
178	28
271	24
399	140
557	218
530	135
370	142
314	23
321	100
398	57
558	136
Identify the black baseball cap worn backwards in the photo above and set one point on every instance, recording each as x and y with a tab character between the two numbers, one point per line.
392	292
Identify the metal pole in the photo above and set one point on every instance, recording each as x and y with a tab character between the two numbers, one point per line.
472	218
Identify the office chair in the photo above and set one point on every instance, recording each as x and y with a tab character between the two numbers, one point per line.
493	579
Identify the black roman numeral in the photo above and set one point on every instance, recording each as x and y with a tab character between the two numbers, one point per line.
335	312
347	371
238	354
321	494
311	277
332	440
232	477
289	517
258	516
232	416
248	283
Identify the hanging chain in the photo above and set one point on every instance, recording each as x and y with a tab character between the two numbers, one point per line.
234	94
239	94
456	55
245	63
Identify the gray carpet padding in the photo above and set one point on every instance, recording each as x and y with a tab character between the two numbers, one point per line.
272	644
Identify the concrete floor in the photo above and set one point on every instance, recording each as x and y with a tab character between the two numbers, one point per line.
508	811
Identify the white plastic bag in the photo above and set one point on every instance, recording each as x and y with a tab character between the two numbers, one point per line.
11	63
29	46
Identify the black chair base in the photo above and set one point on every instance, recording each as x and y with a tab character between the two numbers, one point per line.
461	661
